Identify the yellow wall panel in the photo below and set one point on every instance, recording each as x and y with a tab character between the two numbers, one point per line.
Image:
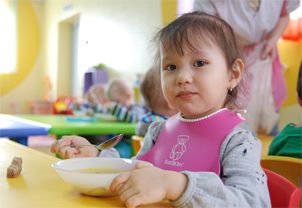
290	55
28	47
169	11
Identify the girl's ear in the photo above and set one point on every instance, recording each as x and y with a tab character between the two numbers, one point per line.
129	95
236	74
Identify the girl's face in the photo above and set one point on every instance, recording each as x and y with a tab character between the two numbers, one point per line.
195	83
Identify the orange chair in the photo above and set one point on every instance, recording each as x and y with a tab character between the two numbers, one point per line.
137	142
288	167
283	193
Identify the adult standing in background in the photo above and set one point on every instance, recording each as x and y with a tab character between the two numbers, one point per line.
258	24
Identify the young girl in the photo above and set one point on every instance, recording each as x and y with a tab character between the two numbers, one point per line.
201	157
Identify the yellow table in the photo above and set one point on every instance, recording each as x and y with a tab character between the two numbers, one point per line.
39	185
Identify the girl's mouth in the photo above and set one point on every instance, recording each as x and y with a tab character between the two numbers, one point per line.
185	94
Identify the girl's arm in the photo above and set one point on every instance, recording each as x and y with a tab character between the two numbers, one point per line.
149	184
243	182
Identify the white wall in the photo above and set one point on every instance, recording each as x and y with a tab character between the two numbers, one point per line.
113	32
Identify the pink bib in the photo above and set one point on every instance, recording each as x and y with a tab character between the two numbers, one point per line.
192	145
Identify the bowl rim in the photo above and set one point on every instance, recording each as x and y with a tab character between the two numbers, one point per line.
54	165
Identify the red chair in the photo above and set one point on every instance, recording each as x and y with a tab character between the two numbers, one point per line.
283	193
288	167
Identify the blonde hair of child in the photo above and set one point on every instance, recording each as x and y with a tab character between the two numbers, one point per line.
150	89
121	86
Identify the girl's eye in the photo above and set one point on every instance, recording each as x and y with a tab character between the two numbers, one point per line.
171	67
199	63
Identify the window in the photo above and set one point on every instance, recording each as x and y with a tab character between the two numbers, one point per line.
8	36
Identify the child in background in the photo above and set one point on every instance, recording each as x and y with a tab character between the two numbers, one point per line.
96	101
97	97
289	141
201	157
160	110
121	104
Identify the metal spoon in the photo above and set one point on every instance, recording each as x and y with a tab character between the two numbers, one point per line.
105	145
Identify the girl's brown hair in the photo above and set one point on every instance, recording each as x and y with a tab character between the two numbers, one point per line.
196	27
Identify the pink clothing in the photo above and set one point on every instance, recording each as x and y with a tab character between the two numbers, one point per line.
278	83
279	90
252	28
180	141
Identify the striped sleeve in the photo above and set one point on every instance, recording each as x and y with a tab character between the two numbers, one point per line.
131	115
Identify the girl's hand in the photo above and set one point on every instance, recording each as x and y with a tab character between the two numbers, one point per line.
147	184
62	147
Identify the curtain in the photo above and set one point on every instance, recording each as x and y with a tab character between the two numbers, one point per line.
8	36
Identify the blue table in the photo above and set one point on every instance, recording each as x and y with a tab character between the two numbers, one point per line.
20	129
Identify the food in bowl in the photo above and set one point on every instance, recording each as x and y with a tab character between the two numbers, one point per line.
93	175
99	170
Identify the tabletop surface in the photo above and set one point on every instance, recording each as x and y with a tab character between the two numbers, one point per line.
39	185
61	126
11	126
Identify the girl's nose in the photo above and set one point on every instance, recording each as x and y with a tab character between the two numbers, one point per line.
184	77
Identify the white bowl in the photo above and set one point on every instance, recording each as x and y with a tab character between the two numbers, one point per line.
89	183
